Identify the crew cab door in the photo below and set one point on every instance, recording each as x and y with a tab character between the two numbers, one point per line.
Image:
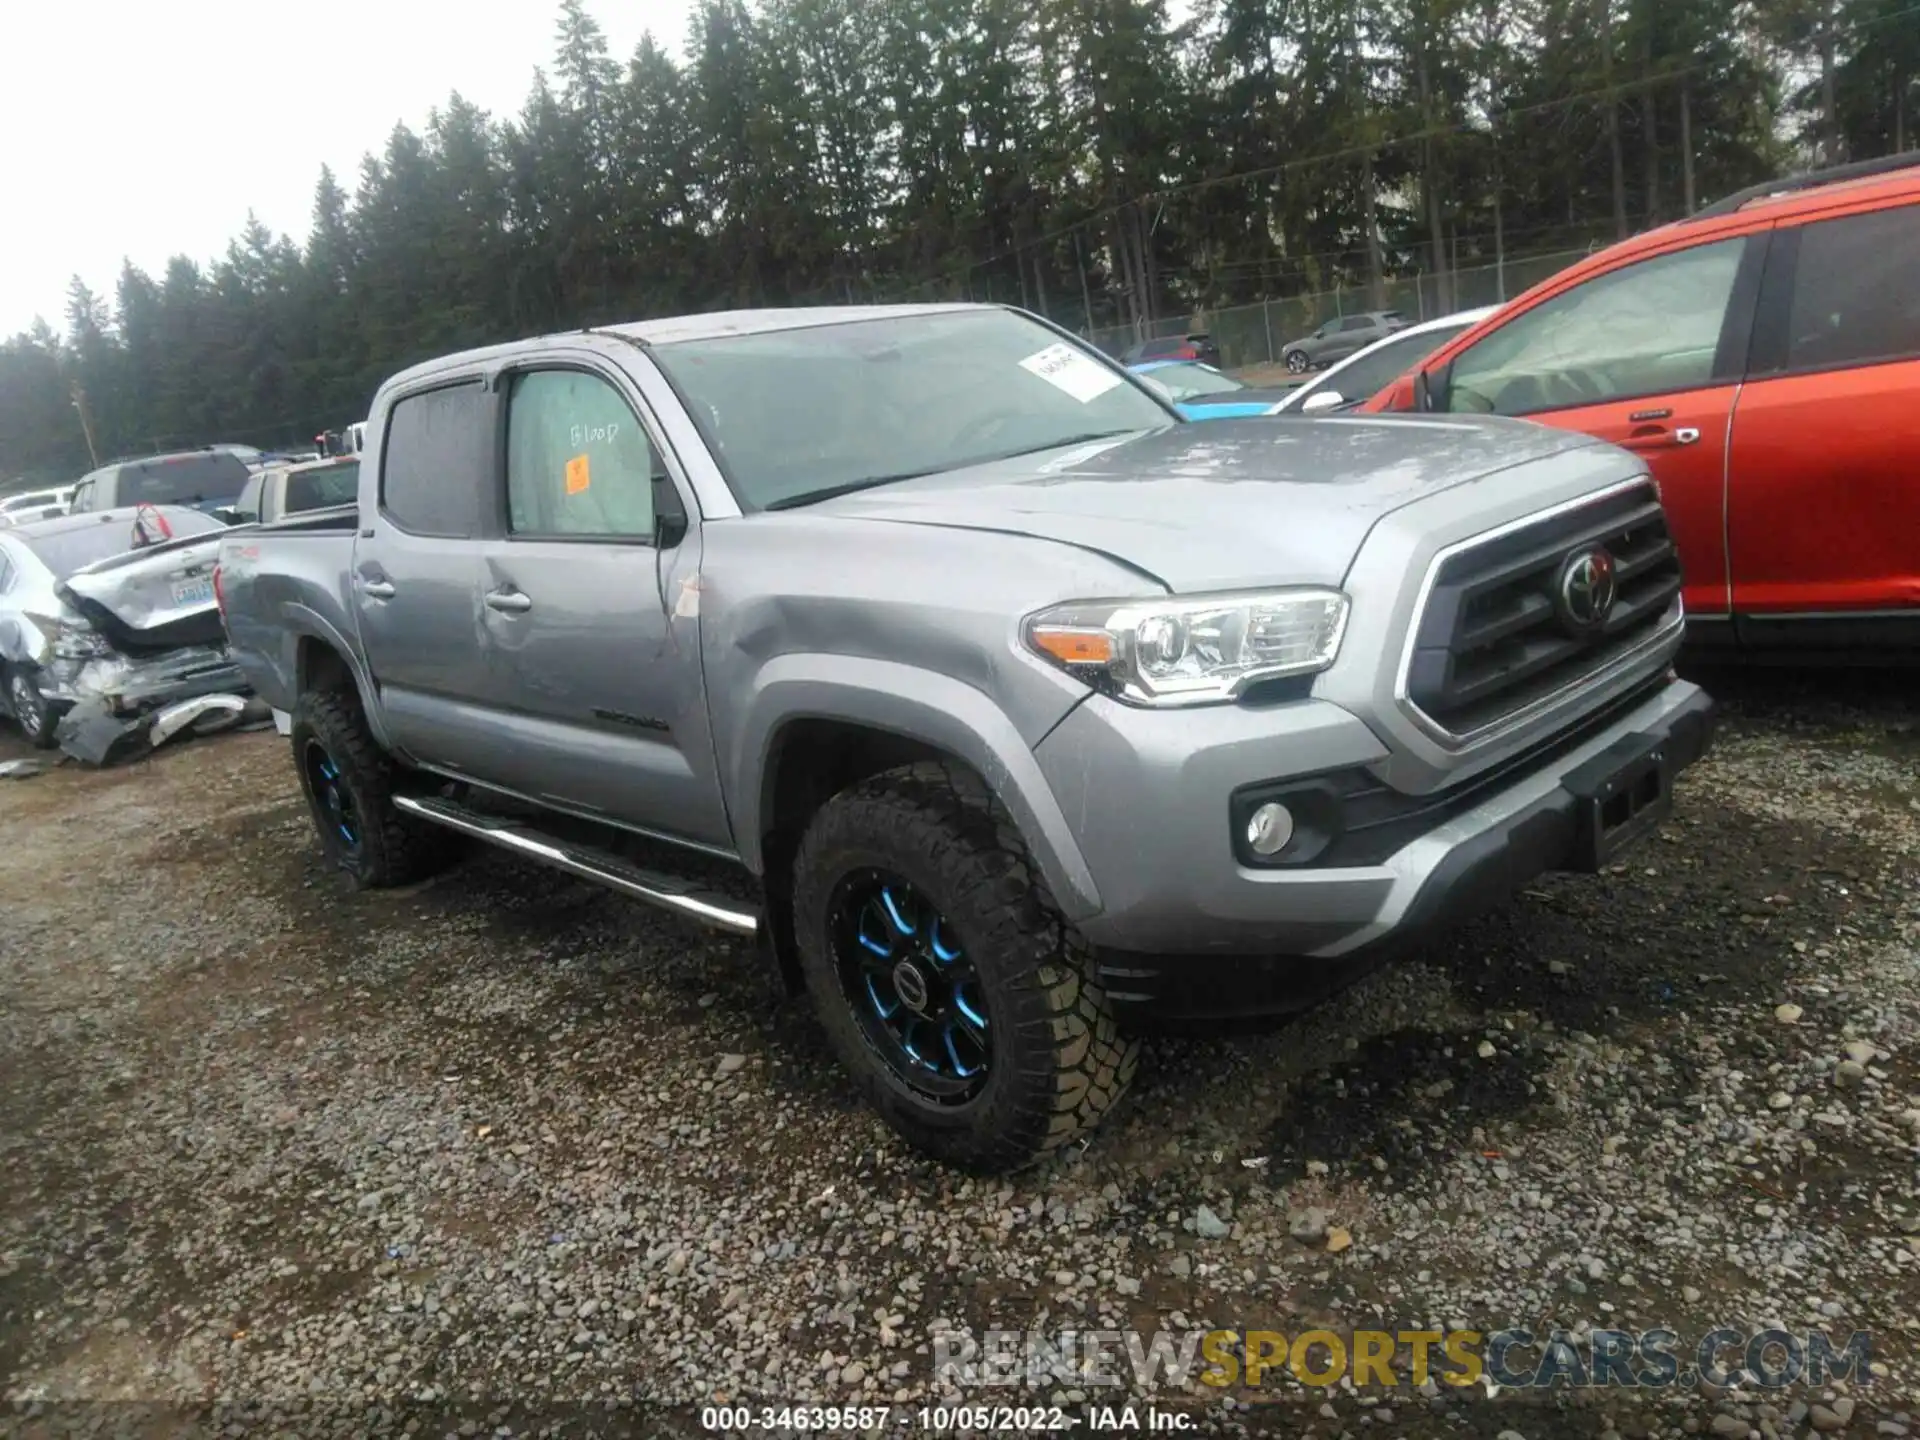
1823	521
1648	355
589	608
416	570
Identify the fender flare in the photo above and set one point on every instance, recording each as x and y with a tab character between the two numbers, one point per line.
304	623
916	704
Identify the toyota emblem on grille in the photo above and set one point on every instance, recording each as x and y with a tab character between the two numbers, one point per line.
1585	589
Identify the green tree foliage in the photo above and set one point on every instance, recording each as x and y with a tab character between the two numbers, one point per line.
1098	160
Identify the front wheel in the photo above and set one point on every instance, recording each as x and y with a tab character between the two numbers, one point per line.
1297	362
37	716
960	1000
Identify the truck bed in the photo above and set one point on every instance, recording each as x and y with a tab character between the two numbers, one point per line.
301	566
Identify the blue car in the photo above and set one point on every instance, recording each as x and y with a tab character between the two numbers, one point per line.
1201	392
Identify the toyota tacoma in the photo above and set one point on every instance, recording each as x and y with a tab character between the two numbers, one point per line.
1006	708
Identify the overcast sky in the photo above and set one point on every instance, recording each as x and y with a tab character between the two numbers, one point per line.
148	128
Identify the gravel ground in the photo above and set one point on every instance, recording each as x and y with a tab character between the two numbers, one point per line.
503	1142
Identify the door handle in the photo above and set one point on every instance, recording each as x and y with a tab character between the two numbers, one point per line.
511	601
377	589
1663	439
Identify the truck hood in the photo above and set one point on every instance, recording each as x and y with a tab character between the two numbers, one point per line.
1224	505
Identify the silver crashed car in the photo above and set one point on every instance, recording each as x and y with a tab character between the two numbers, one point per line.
114	608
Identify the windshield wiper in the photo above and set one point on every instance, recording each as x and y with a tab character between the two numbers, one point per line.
847	487
1086	439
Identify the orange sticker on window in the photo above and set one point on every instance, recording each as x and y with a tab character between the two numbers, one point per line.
577	476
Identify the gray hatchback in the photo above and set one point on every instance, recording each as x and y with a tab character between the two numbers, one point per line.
1339	338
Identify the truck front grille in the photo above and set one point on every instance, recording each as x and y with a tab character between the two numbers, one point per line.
1514	618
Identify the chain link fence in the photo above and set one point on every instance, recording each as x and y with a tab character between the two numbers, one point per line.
1258	334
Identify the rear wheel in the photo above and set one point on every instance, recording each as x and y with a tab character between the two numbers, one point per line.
961	1001
37	716
349	784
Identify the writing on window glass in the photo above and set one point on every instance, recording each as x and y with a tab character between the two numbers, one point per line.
595	434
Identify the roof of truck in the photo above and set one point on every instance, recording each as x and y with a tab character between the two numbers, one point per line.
673	329
758	322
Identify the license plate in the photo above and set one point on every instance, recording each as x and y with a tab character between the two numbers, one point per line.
193	592
1620	796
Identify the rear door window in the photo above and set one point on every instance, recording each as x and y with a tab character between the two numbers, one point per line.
578	462
323	488
436	468
1856	291
211	478
1382	365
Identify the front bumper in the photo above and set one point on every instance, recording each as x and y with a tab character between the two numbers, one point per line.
1159	842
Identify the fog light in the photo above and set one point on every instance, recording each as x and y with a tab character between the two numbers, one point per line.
1269	828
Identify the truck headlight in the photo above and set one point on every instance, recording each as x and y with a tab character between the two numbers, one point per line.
1191	650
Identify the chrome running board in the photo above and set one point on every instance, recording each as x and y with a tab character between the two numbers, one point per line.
669	892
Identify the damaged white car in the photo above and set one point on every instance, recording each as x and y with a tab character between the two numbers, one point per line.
107	620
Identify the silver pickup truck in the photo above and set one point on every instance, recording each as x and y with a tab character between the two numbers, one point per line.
931	647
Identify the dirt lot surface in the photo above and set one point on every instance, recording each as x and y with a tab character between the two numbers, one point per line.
1267	373
360	1162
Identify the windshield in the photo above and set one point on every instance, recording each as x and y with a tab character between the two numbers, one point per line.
66	548
1183	382
1368	373
180	479
795	414
319	488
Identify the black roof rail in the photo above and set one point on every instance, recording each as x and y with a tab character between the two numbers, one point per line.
1808	180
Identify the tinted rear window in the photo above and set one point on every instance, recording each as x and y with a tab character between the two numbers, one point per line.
436	469
319	489
180	480
67	550
1856	290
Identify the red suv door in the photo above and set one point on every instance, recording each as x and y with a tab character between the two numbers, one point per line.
1647	354
1823	518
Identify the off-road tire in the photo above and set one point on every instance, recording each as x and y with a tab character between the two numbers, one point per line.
394	848
1060	1061
40	732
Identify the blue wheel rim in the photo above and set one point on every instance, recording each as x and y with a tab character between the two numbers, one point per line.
912	985
333	807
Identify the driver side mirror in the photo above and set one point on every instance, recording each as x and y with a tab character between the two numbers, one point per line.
230	515
1430	388
1322	400
669	516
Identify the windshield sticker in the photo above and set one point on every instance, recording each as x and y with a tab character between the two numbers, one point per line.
578	475
1065	368
1080	456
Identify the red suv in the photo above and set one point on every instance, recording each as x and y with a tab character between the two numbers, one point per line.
1764	356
